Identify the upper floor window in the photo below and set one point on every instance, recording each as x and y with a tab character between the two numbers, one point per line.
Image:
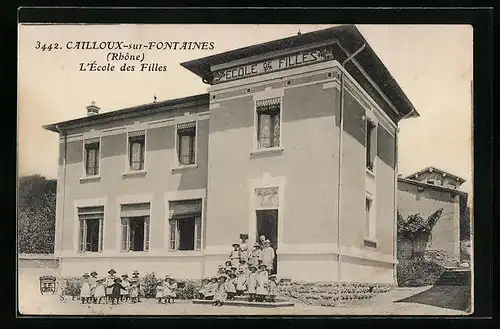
186	143
136	150
371	145
92	155
90	228
268	122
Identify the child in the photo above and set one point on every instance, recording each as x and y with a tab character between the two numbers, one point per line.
273	288
234	256
135	275
173	287
126	283
116	288
167	291
93	284
231	286
134	289
241	282
85	295
243	266
255	255
220	293
222	269
227	267
109	281
244	252
211	289
100	291
159	292
268	256
202	291
262	283
252	283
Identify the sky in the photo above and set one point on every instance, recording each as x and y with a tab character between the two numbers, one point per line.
432	64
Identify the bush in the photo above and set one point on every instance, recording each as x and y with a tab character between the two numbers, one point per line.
71	286
148	285
417	272
188	289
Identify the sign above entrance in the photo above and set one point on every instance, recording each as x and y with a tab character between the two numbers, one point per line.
267	198
272	65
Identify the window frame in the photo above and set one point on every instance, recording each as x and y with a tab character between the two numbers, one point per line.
82	238
268	93
370	220
373	144
91	141
199	226
128	163
256	143
147	234
177	163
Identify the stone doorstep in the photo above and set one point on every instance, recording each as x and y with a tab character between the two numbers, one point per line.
246	303
245	298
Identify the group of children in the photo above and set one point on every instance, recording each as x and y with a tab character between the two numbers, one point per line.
110	289
165	290
244	272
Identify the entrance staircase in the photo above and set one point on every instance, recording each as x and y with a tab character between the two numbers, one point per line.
243	301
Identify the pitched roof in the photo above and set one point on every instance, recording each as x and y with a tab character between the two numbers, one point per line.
431	186
347	36
134	111
434	169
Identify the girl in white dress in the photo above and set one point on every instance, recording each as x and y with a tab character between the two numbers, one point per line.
93	283
173	288
262	283
159	292
99	291
85	295
252	283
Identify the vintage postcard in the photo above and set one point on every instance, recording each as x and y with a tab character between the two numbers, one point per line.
245	169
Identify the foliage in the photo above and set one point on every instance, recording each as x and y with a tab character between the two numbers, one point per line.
417	230
36	214
72	286
188	289
417	272
148	285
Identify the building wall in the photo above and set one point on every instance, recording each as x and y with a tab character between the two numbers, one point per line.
113	186
445	235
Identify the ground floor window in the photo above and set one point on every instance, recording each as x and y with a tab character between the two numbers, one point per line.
185	227
135	227
91	221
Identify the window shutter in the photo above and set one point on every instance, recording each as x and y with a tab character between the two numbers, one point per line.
81	235
184	149
172	234
373	140
264	130
276	130
197	228
101	236
135	156
146	233
96	162
125	234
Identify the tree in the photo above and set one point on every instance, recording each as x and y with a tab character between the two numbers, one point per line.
416	229
36	214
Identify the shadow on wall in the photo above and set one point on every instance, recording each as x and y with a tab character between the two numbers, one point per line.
451	297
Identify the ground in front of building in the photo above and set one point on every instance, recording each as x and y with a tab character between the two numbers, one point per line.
31	302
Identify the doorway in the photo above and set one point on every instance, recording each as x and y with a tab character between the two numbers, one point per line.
267	225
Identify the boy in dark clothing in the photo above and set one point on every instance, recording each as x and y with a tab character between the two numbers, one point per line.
115	292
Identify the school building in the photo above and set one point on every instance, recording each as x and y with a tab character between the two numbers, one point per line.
296	139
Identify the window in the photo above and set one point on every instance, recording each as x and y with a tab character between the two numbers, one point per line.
370	223
268	122
430	181
185	225
368	206
186	143
135	227
370	144
136	149
92	157
90	228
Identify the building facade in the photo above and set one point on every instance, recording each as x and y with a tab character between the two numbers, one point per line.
425	192
296	139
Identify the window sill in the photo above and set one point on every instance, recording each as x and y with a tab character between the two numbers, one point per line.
269	150
185	253
135	173
370	172
94	178
369	242
185	167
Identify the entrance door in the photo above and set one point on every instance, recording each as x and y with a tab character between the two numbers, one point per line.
267	225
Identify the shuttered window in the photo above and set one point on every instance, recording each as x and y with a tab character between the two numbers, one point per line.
137	144
268	122
135	227
92	156
371	144
91	223
185	225
186	143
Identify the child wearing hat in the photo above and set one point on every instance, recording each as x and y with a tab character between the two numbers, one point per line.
85	294
234	256
220	292
93	284
252	282
99	291
135	275
268	255
109	281
126	283
159	291
134	289
202	290
243	266
116	288
172	285
211	288
262	283
222	269
226	267
241	282
255	255
273	288
231	286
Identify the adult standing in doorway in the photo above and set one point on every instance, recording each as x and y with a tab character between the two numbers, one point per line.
262	240
268	256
